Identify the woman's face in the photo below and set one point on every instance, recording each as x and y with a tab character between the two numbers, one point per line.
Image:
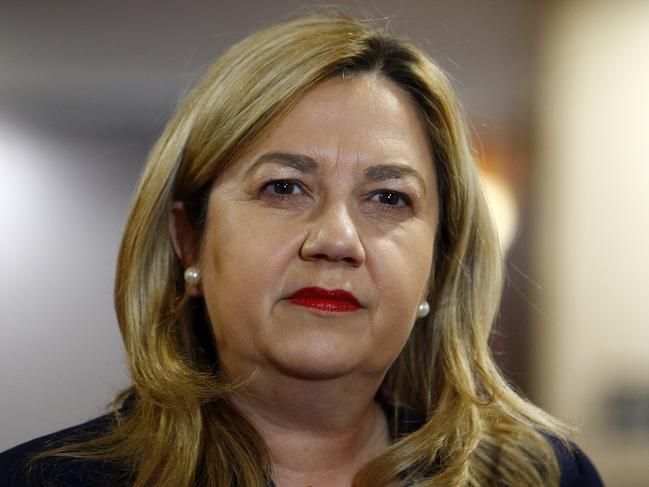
340	195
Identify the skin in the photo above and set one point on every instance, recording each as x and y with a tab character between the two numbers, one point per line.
314	374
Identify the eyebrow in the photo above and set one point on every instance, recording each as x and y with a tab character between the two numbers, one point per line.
382	172
306	164
299	162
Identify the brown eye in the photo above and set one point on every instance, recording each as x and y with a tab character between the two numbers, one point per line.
391	198
282	187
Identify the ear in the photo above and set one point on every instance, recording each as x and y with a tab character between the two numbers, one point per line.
185	239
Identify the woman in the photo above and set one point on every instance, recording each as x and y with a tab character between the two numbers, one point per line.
306	285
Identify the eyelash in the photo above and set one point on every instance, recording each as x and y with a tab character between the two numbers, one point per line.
406	200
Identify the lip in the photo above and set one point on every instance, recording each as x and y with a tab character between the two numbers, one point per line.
331	300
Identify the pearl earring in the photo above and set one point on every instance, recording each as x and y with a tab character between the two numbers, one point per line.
192	275
423	310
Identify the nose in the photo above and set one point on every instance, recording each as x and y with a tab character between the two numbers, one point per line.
333	236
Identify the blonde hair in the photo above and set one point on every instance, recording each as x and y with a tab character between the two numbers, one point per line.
182	430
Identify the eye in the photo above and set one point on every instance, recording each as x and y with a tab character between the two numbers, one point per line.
284	192
391	198
281	187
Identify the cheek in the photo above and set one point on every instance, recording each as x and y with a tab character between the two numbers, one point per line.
400	268
245	260
248	251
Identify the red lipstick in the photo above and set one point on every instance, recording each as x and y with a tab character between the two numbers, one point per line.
333	300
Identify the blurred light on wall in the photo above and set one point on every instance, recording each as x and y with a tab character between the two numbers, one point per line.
29	179
503	207
62	202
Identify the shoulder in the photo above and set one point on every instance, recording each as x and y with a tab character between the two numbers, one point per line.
58	470
576	468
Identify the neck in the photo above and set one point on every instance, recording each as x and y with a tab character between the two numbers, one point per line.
319	432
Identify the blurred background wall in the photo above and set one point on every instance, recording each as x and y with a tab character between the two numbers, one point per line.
591	363
556	95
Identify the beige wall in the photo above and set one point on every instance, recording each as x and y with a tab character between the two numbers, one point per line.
592	234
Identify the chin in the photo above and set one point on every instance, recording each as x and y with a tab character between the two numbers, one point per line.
316	365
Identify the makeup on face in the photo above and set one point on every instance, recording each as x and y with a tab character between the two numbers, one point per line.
327	300
319	240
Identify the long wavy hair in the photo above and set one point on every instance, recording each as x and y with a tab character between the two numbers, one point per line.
182	429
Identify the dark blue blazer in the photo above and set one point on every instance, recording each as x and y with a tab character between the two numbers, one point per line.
576	468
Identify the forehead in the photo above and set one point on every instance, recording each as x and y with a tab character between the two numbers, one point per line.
348	124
